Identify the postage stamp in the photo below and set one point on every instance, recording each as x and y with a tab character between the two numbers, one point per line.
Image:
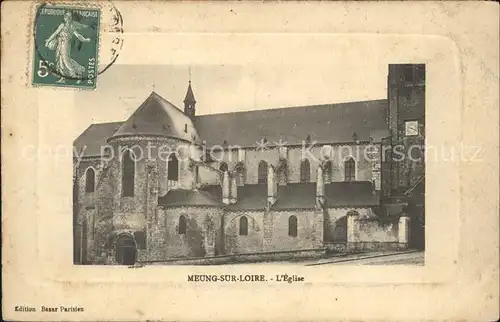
66	41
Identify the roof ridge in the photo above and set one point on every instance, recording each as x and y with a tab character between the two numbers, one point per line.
189	197
104	123
179	189
295	107
156	115
164	99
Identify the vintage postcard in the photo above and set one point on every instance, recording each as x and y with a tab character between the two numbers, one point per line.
313	183
250	161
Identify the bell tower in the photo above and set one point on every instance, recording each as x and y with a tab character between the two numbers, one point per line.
406	121
190	102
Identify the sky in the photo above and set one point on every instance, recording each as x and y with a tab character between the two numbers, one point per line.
261	73
220	88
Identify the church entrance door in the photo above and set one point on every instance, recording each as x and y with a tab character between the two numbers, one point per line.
126	251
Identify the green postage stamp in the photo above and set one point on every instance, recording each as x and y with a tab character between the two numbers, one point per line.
66	44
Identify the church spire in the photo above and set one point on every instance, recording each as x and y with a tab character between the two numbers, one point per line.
189	101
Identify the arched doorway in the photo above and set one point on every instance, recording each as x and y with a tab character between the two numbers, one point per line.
416	211
126	250
339	234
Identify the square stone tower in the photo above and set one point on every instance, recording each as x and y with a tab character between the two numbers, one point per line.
406	120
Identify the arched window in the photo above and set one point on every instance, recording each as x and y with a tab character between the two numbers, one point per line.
350	170
305	171
196	174
173	167
128	174
90	180
282	175
292	226
182	225
262	172
327	171
243	226
240	174
223	167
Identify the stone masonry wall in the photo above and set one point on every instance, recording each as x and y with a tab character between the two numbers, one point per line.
268	231
209	177
157	150
252	160
128	213
253	242
406	103
309	230
336	223
86	199
376	231
203	230
86	215
156	242
336	153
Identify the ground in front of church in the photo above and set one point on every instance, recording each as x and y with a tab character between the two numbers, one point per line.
410	257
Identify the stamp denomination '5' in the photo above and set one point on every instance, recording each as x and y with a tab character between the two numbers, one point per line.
66	46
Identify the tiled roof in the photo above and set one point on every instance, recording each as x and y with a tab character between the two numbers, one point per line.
181	197
330	123
157	116
94	137
337	194
302	195
347	194
214	190
251	196
296	195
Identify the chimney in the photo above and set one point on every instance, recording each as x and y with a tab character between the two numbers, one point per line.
234	190
320	188
225	188
272	187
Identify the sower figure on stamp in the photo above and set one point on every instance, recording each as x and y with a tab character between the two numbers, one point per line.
60	41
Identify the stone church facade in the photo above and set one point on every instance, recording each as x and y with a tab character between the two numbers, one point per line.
169	184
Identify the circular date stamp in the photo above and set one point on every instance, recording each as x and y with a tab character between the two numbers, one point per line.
74	44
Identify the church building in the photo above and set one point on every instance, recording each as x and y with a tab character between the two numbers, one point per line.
168	184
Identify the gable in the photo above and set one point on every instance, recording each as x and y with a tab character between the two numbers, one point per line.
157	116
